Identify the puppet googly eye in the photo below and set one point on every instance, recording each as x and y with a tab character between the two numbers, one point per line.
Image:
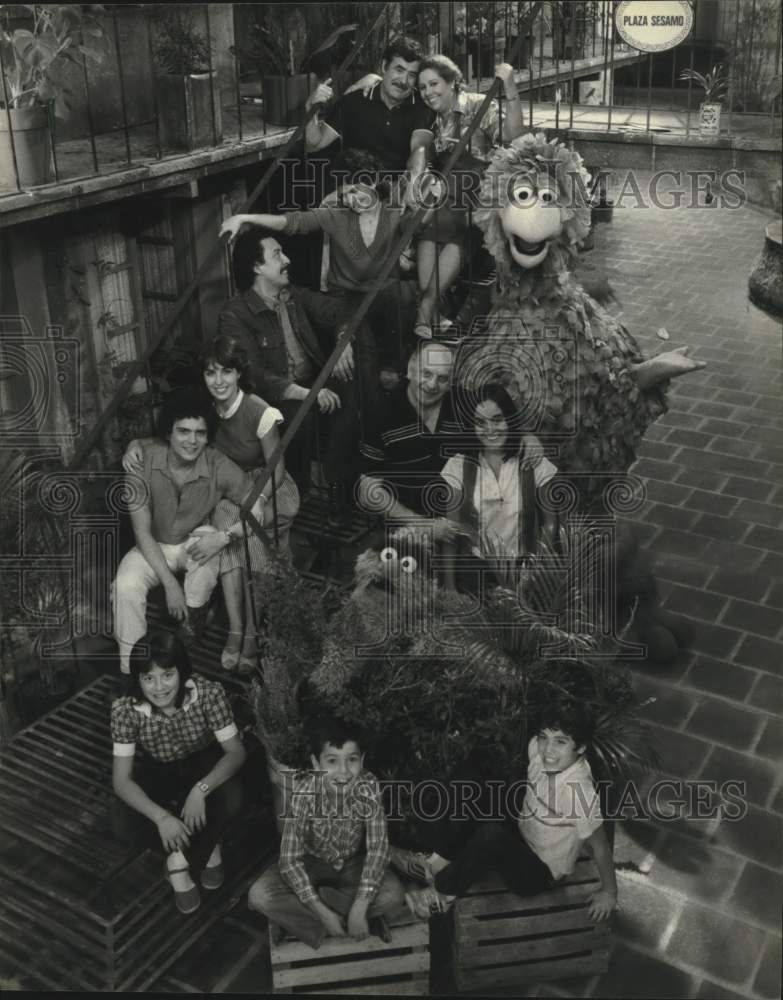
547	196
388	555
409	565
523	195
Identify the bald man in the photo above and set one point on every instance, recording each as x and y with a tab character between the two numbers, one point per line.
404	458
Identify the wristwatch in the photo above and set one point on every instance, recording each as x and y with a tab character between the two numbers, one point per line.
202	786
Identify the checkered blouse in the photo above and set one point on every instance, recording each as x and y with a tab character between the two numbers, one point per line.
203	716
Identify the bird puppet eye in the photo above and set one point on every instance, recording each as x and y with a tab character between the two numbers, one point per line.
546	195
388	555
408	565
523	195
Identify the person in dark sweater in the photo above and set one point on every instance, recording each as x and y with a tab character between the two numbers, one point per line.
363	226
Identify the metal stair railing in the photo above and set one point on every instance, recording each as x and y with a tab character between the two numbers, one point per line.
137	368
405	237
346	338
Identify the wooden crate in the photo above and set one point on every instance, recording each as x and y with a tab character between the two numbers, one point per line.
501	939
369	967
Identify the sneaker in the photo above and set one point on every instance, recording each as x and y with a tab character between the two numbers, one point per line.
426	903
414	864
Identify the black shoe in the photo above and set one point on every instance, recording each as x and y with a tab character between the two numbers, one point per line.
339	509
193	626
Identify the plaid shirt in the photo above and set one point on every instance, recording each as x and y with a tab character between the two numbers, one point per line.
204	714
314	827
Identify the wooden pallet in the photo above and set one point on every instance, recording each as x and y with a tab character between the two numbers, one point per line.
79	910
501	939
369	967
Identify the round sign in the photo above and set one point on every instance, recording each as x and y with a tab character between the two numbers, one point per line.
654	27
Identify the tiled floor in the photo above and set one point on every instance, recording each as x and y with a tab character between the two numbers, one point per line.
701	898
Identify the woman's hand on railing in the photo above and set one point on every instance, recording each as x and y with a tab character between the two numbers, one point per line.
133	459
232	225
365	84
322	94
505	73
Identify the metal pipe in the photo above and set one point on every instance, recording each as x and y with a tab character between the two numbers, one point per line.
121	77
158	149
611	84
237	87
212	81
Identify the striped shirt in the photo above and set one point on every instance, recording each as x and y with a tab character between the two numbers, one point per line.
406	455
314	825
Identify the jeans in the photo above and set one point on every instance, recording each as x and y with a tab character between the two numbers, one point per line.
135	578
499	848
391	318
168	784
273	897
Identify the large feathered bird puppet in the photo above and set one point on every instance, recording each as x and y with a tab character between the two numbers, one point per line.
576	371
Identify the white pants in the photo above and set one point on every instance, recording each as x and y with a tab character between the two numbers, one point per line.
135	578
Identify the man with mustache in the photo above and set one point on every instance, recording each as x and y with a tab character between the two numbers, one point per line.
390	122
275	324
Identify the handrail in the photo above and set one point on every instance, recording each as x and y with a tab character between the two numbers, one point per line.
369	297
348	335
138	365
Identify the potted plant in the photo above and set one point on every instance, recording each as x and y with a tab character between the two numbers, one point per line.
185	87
278	49
35	49
714	85
433	683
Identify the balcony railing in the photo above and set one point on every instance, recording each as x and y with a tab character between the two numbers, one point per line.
572	67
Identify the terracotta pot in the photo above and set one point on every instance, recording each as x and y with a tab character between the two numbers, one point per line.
32	144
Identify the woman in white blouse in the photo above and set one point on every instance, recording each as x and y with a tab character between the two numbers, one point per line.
493	484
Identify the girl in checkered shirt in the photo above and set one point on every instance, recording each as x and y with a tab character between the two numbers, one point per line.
191	753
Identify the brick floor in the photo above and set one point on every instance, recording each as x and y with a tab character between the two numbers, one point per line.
700	898
703	916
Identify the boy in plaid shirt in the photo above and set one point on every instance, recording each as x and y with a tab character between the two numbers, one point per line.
332	872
